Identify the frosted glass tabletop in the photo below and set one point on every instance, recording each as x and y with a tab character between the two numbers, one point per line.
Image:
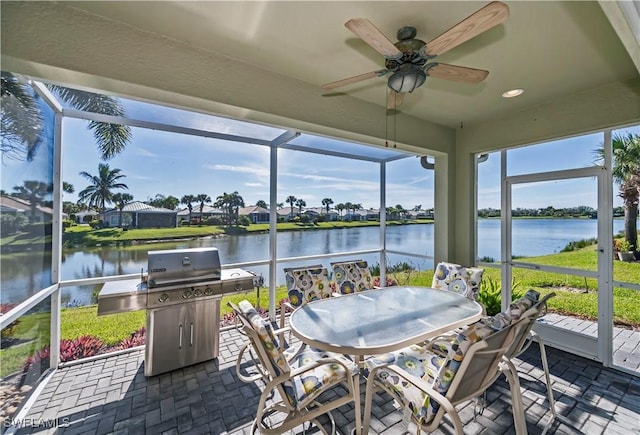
381	320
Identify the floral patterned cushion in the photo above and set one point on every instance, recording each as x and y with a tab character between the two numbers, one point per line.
459	279
306	285
352	276
443	344
300	389
436	370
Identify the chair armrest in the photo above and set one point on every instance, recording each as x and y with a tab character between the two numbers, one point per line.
322	362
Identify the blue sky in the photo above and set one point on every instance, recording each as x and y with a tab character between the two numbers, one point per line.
175	164
157	162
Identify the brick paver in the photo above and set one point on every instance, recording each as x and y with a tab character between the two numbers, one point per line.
112	395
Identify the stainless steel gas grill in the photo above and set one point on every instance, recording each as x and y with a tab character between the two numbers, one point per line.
181	294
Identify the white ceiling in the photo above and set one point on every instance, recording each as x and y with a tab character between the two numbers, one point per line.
551	49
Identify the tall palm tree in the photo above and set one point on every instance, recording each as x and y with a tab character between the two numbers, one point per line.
120	200
202	198
300	203
262	204
236	202
188	200
327	203
34	192
626	172
99	192
230	203
340	207
22	122
291	200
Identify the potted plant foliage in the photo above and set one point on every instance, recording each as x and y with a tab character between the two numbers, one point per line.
623	248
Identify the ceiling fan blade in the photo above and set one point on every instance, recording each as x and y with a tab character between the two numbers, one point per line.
484	19
354	79
456	73
365	30
395	99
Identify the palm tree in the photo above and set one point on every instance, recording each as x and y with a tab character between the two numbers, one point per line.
236	202
98	193
170	202
300	203
262	204
188	200
327	203
202	198
626	172
120	200
34	192
291	200
347	207
230	203
340	207
22	121
67	187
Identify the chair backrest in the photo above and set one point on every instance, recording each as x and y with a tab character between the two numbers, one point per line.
460	279
504	335
266	345
306	284
352	276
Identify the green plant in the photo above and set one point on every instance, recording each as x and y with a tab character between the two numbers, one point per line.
621	245
490	294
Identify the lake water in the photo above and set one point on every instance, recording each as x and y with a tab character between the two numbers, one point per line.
531	237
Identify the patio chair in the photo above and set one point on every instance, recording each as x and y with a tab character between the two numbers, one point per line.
295	378
429	385
304	284
352	276
531	300
460	279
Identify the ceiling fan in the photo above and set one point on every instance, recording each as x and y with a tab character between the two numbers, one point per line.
410	60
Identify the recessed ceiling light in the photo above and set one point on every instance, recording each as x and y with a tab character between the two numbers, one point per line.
512	93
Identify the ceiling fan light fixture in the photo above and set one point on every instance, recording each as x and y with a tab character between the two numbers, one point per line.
407	78
513	93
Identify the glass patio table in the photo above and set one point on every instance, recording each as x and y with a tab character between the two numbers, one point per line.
381	320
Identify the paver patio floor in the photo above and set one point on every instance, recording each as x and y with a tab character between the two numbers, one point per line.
112	395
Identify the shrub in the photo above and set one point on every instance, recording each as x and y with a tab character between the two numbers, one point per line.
8	330
390	282
81	347
137	338
583	243
490	295
621	245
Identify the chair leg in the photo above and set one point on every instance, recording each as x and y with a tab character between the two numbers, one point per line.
545	366
356	404
516	396
368	397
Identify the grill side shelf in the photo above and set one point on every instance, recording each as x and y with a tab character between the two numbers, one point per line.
122	296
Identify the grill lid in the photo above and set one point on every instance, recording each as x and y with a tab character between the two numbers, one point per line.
166	267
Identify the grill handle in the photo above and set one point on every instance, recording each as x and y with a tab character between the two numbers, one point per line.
191	338
180	335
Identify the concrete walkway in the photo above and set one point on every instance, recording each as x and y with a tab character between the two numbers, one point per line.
626	342
112	395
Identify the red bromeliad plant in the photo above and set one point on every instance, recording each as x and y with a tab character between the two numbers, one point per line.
137	338
390	282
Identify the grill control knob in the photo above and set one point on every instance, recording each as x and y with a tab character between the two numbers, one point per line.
187	294
198	291
208	291
163	297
